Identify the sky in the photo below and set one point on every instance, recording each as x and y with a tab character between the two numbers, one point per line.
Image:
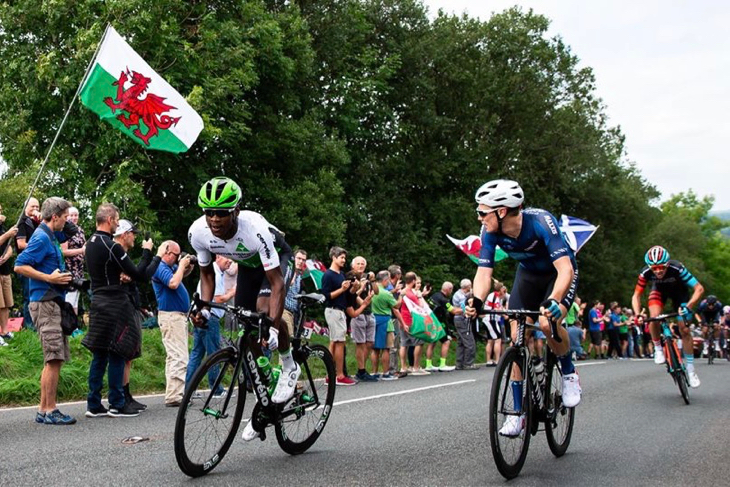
662	70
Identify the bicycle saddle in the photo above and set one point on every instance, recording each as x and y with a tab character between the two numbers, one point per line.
311	298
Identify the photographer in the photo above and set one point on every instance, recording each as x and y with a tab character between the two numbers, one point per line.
42	263
111	337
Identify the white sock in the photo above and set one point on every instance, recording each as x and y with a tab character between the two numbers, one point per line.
690	368
717	344
287	361
657	345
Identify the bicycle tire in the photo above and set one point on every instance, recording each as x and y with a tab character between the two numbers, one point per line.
517	446
710	353
198	465
559	419
680	376
297	433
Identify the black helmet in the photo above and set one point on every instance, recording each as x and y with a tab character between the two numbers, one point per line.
711	300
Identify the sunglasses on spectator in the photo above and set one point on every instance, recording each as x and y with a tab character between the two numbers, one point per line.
218	213
483	213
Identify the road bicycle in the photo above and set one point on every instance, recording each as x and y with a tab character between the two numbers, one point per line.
541	400
210	413
674	362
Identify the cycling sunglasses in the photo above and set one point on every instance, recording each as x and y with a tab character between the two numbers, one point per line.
658	267
483	213
219	213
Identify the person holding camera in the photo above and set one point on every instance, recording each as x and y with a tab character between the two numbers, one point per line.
113	338
173	302
26	226
42	263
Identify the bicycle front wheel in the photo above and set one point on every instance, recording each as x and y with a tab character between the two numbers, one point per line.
307	413
680	375
209	415
559	423
510	451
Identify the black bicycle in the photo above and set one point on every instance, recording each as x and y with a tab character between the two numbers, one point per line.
675	365
541	400
210	413
711	350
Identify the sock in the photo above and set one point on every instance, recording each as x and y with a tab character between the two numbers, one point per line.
717	344
517	395
566	364
287	361
429	363
657	345
442	362
689	361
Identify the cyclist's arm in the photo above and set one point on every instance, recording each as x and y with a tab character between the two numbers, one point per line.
699	290
565	276
207	282
638	291
483	282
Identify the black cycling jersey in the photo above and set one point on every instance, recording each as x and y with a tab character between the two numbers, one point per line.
710	315
106	260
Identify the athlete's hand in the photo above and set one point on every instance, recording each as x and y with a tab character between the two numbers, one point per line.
551	309
200	318
685	313
273	341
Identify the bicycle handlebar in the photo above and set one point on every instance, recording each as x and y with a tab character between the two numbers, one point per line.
524	313
263	320
661	317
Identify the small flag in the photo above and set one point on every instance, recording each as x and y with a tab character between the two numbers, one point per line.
577	232
471	246
126	92
315	270
426	326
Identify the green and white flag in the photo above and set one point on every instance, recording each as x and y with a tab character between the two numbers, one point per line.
425	325
315	270
126	92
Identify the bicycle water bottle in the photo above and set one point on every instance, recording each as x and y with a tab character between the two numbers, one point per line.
275	373
265	367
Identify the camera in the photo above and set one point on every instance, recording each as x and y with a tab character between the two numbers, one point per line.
79	285
193	258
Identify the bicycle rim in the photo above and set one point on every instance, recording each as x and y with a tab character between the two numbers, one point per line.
559	424
206	426
307	413
509	452
680	375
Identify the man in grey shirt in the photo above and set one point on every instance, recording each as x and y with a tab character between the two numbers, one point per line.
466	346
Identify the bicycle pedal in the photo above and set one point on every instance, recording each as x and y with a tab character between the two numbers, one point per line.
262	435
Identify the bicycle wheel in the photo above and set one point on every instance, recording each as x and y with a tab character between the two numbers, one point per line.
307	413
680	375
509	452
710	353
206	422
559	423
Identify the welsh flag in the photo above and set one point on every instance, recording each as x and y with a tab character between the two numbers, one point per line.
471	246
126	92
425	325
315	270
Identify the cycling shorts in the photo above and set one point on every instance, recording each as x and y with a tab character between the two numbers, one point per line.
530	290
677	296
251	281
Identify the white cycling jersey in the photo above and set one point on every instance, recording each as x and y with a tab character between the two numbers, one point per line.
251	246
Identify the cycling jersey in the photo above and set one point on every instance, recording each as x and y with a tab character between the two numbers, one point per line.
673	286
539	244
710	315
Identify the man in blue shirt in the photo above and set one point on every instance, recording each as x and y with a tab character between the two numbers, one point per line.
43	263
334	286
595	320
294	281
173	302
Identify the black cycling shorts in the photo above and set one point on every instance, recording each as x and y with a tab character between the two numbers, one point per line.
251	281
662	296
530	290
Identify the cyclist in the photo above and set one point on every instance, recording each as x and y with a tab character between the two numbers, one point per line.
709	314
547	276
669	280
261	252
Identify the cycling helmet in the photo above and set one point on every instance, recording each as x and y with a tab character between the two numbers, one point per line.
726	310
500	192
219	192
657	255
711	300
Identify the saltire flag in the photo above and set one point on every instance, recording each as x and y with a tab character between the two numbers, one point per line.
127	93
315	270
425	325
471	246
576	231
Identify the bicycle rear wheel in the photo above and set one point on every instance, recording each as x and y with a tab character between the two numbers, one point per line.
207	422
509	452
680	375
307	413
559	422
710	353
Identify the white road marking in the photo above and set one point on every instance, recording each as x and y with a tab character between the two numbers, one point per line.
589	363
398	393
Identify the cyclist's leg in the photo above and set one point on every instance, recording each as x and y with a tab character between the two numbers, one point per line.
248	283
264	294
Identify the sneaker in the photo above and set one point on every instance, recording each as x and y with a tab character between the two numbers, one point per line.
571	390
388	377
446	368
135	404
694	381
420	371
3	343
126	412
431	369
513	426
99	412
249	433
8	336
470	367
57	417
402	373
659	357
221	394
365	377
286	385
345	381
40	417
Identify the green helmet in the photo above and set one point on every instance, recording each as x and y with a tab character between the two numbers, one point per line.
219	192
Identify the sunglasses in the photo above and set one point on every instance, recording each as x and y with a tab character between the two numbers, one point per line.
660	267
483	213
218	213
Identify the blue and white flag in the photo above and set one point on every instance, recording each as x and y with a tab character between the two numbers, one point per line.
576	231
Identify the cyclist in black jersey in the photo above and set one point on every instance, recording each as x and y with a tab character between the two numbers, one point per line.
709	315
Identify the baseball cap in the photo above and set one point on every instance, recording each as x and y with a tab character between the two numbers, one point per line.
124	227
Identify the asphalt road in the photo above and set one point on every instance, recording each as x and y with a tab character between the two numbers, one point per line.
631	428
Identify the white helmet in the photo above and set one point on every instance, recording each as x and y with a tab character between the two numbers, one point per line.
500	192
726	310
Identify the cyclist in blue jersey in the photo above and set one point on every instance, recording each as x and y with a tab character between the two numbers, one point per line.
709	315
669	280
546	278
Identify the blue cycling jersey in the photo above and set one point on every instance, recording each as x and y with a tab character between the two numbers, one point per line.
710	315
539	244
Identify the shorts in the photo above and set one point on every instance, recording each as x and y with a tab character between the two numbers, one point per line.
624	337
285	255
363	328
288	318
6	292
530	289
538	335
492	328
251	281
337	324
47	319
596	338
660	297
408	340
390	340
381	332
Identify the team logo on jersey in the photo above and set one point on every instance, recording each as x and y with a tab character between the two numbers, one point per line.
241	248
266	247
550	224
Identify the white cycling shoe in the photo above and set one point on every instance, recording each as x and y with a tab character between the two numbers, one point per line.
571	390
513	426
286	385
249	433
659	357
694	381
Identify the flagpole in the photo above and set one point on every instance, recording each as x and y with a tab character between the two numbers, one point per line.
63	122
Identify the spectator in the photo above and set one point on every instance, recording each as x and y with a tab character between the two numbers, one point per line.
384	306
73	251
634	334
394	287
465	347
613	321
406	339
26	226
595	315
442	308
363	323
294	277
334	287
207	341
492	323
575	330
41	262
6	287
173	302
114	336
